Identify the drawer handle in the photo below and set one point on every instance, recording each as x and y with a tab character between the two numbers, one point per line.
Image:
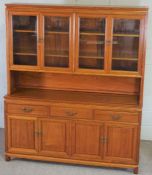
25	109
69	113
116	117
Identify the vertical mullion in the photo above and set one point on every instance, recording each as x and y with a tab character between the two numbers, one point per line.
40	41
77	35
70	35
108	44
141	59
9	50
72	39
10	33
141	41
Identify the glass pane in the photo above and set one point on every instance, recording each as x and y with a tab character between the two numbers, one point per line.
24	40
92	43
126	26
125	44
92	25
56	41
124	65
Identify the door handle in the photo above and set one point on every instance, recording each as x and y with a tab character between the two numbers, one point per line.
38	133
104	140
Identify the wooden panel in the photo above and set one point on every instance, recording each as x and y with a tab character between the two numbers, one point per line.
121	143
83	9
21	135
116	116
27	109
71	112
78	82
55	139
121	101
72	161
86	140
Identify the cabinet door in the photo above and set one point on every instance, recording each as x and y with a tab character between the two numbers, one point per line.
24	45
87	138
54	140
122	143
58	42
90	43
22	134
127	44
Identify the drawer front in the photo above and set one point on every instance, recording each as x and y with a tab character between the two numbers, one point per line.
71	112
116	116
28	109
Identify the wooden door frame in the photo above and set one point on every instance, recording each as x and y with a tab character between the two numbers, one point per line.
71	41
141	44
134	159
21	150
67	152
10	40
101	146
77	34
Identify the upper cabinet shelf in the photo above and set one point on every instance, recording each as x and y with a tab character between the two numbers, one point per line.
127	35
77	42
92	33
25	31
57	32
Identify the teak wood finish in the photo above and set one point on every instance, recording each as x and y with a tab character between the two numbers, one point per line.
68	107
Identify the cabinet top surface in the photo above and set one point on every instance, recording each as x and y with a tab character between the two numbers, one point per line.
98	99
75	6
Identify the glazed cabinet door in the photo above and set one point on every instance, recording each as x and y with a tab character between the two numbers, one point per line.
54	138
90	43
22	135
57	42
121	143
23	38
87	140
127	45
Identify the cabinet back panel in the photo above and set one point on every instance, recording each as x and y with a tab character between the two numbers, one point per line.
78	82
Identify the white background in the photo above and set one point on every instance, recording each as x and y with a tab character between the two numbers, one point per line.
147	108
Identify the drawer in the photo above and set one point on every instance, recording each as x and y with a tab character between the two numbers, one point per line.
71	112
116	116
28	109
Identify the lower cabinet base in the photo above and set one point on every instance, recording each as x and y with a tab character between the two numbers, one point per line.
8	157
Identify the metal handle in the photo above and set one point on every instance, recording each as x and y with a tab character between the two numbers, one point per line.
38	133
104	140
27	109
69	113
116	117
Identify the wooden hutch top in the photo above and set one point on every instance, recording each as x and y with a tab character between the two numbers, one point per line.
113	83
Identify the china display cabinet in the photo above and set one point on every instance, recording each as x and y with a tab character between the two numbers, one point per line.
75	84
